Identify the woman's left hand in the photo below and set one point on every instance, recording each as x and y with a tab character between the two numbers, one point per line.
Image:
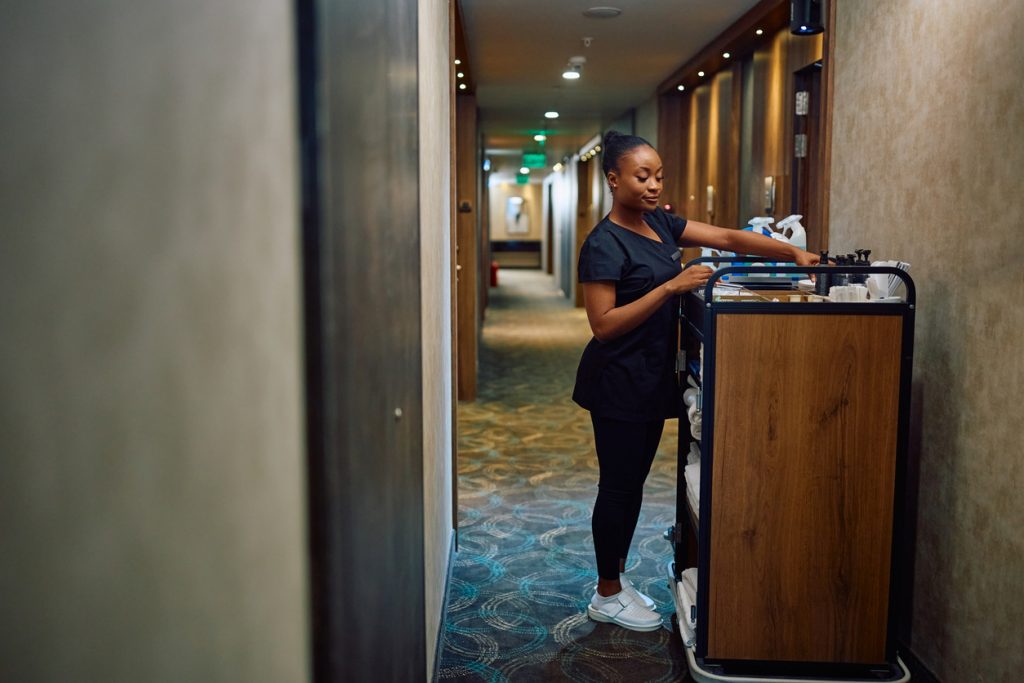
806	258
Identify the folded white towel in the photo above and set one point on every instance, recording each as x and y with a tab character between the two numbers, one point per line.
687	590
694	454
693	503
691	473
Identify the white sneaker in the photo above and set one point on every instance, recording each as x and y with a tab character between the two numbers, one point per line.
623	610
628	589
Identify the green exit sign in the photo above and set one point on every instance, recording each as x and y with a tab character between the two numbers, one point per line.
534	160
522	178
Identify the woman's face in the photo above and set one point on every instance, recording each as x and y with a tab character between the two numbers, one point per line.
637	182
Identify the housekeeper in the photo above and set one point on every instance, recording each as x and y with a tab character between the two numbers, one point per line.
631	276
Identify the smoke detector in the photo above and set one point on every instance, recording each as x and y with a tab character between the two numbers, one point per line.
575	68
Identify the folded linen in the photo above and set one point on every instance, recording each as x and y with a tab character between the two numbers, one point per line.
687	590
691	473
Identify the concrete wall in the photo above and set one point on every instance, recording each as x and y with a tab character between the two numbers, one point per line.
435	296
926	163
152	504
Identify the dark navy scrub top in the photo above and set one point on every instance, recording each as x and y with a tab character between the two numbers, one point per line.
632	377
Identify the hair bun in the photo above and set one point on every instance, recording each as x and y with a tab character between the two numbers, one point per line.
610	136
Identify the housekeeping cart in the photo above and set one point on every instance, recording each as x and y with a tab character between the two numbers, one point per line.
792	459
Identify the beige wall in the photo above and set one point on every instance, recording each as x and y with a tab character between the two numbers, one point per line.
435	298
152	502
499	195
926	165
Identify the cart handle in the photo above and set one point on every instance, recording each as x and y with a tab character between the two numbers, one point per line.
908	282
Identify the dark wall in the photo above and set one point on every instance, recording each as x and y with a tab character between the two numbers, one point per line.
363	320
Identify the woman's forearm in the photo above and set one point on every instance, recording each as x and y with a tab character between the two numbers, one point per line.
619	320
747	242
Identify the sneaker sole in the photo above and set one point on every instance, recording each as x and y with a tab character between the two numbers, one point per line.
604	618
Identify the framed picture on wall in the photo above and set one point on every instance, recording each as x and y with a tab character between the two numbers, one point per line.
517	220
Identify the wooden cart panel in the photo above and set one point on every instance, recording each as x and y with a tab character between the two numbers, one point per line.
805	441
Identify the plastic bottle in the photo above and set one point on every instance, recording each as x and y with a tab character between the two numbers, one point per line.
759	224
797	235
823	281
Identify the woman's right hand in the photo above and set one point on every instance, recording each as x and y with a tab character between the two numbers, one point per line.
691	278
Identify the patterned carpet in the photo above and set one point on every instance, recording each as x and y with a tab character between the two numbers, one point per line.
527	481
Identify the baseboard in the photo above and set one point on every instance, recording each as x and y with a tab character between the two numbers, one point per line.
452	541
919	673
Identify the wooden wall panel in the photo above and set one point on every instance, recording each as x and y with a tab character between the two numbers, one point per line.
453	19
467	245
731	150
713	146
585	172
672	110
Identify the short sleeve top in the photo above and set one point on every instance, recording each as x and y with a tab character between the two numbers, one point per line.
632	377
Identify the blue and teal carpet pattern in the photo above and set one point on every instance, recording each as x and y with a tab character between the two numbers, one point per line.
524	571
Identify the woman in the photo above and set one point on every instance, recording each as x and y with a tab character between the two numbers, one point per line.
630	272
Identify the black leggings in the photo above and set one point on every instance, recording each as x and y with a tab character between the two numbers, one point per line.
625	451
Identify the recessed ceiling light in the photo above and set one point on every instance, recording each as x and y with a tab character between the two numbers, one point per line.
462	86
459	75
701	74
726	55
570	75
759	32
457	62
540	137
551	114
680	88
602	12
524	170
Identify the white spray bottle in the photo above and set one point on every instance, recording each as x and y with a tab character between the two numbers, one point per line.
797	235
759	225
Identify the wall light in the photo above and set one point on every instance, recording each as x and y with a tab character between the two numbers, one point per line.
701	74
551	114
759	32
524	170
726	55
680	88
457	62
459	75
540	137
462	86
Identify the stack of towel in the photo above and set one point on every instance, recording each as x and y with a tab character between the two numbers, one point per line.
687	589
692	475
692	400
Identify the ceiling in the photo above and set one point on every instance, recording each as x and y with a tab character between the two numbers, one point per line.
518	49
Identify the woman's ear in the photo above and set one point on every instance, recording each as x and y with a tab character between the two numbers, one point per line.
613	181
